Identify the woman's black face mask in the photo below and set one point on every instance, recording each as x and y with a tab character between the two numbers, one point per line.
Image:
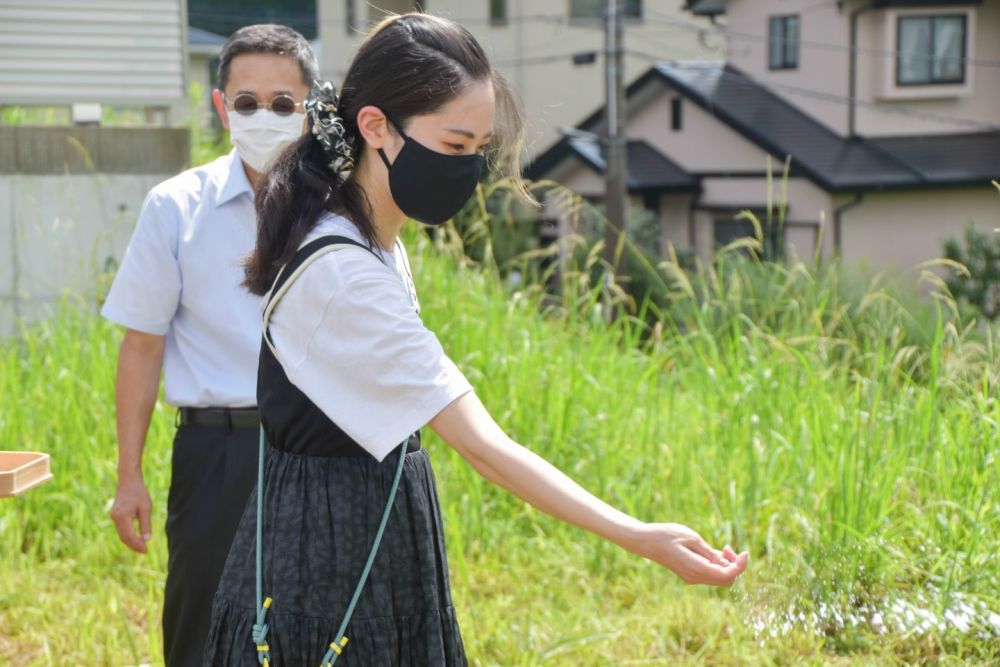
429	186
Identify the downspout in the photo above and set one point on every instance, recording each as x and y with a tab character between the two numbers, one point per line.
692	219
852	71
838	218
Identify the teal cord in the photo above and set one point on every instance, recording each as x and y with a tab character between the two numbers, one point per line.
260	627
336	647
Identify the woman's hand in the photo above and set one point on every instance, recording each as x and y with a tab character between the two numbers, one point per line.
685	552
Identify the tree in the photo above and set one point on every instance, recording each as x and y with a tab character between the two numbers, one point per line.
981	256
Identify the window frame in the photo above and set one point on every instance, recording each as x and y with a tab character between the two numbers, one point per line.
501	20
677	114
931	81
783	20
773	243
637	18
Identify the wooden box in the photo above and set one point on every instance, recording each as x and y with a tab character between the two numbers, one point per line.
20	471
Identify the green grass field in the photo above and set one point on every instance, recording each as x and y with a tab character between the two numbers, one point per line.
845	436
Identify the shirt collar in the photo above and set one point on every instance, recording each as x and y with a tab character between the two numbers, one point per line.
236	182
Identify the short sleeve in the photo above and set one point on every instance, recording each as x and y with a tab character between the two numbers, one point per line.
146	290
347	336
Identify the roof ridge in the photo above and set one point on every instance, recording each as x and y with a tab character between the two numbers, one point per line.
921	174
732	119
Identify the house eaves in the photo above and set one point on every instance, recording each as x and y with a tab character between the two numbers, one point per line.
647	170
833	162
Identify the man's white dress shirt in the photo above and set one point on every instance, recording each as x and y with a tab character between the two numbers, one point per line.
181	276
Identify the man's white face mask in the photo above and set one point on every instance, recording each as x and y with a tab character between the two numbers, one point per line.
261	136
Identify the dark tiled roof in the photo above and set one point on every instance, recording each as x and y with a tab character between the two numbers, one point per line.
204	37
781	129
958	158
924	3
833	162
706	7
646	168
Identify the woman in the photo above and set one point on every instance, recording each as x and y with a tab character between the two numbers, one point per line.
348	374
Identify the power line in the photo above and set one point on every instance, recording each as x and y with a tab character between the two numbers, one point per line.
821	95
666	19
797	90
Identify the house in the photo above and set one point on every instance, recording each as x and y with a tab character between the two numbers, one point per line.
113	53
203	63
888	110
533	45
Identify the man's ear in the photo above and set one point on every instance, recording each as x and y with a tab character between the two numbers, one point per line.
374	127
220	107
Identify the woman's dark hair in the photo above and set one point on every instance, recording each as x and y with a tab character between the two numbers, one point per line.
409	65
268	38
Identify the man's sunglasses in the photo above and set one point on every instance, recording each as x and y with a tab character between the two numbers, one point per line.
247	105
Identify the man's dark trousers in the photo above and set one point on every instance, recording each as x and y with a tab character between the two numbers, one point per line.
214	470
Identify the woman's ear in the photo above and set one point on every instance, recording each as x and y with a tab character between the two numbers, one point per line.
374	127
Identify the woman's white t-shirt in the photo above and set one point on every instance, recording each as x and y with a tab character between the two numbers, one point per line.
349	335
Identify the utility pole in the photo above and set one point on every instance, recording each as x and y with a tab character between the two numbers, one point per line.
615	195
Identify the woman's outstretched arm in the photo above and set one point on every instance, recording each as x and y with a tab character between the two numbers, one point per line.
469	429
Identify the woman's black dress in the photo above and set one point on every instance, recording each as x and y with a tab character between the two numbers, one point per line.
323	500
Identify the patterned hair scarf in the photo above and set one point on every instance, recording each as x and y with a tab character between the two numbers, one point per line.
328	126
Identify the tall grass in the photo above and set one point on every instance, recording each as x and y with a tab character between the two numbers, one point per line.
845	436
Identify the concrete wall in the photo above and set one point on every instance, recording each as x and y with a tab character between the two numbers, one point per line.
532	49
67	214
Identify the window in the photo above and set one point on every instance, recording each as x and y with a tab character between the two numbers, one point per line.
498	12
931	50
594	9
675	114
727	229
783	42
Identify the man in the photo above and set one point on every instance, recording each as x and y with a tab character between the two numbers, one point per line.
178	295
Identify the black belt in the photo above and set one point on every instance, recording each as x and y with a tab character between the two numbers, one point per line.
226	417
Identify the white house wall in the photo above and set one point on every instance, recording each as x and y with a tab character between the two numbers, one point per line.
704	143
675	222
806	201
581	179
108	51
977	101
820	70
899	230
824	66
533	51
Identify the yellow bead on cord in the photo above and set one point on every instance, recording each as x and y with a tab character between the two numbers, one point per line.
338	649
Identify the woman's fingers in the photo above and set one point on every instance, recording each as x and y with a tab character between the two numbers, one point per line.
700	570
700	546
